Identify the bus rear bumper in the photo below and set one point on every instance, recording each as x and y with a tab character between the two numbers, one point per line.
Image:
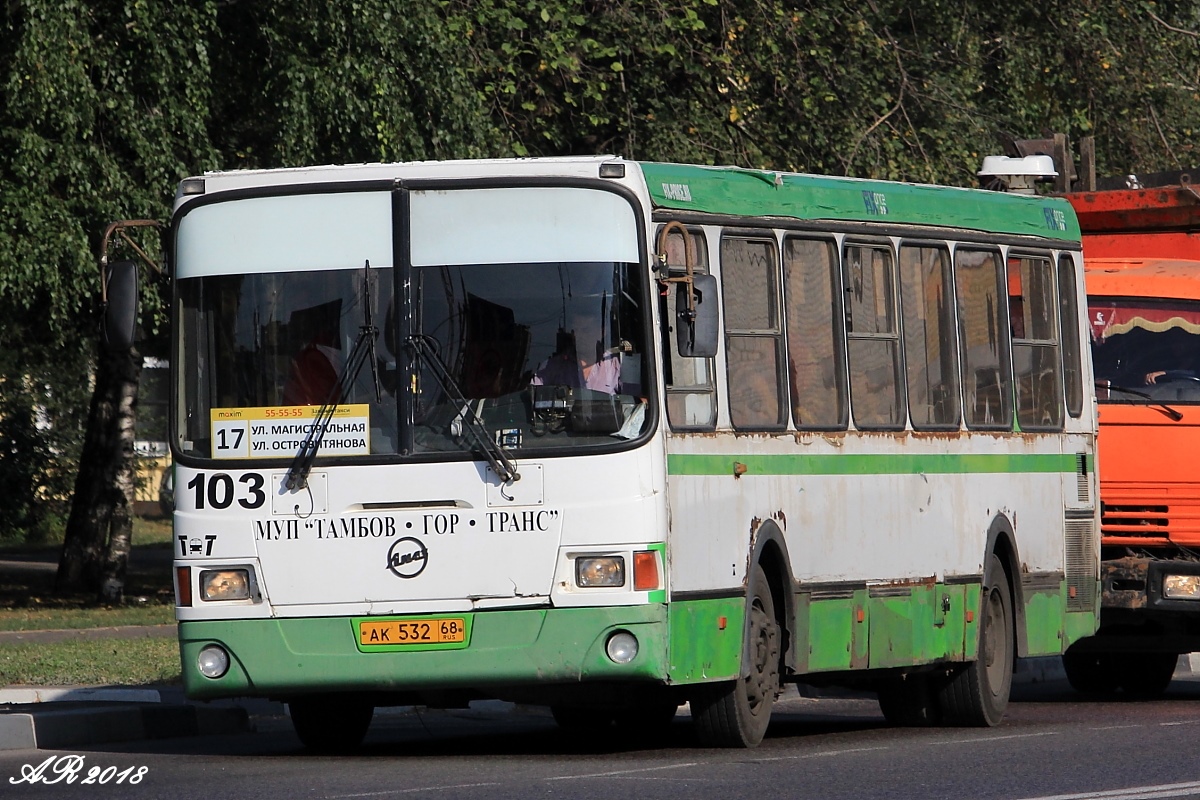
514	649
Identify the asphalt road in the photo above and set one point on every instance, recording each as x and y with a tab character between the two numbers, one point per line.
1053	745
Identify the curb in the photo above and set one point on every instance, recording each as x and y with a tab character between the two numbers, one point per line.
59	694
58	725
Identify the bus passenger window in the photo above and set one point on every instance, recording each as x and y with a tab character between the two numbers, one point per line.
929	342
1068	316
816	363
691	394
873	337
1035	343
983	340
753	339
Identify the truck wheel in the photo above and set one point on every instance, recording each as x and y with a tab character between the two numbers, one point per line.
736	713
1145	676
977	694
1092	672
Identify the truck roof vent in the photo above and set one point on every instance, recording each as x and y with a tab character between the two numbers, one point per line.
1017	175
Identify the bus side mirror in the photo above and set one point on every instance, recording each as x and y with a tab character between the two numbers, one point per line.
696	333
120	308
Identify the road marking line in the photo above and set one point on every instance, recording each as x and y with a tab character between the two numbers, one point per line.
1133	793
621	772
409	791
998	738
824	754
1117	727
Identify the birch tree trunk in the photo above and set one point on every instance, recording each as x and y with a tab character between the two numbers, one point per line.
95	552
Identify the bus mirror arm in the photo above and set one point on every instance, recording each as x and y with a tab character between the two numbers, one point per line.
500	462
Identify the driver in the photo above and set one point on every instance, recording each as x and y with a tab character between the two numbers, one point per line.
581	360
1180	353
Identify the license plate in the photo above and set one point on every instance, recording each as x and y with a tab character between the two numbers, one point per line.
412	632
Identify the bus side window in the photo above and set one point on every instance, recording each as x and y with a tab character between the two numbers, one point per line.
691	394
1068	316
983	339
873	335
1035	343
816	358
753	335
931	357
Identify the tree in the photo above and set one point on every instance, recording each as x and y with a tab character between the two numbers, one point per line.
102	108
105	105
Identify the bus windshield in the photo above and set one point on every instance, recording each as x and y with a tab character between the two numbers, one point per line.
520	329
545	355
1146	351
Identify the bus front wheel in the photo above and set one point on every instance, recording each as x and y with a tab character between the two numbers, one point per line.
736	713
330	723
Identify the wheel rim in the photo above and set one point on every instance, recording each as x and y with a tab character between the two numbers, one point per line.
764	649
995	642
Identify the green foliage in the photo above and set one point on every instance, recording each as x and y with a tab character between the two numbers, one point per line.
43	401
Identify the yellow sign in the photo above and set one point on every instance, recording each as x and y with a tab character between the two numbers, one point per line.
279	431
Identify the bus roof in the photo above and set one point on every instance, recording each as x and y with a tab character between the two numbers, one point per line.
735	191
719	190
1177	279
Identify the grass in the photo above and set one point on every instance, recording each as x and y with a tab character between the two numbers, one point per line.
28	603
101	662
54	619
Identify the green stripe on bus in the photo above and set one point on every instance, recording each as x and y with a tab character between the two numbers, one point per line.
869	464
743	192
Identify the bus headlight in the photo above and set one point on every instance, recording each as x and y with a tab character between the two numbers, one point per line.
225	584
1182	587
213	661
622	647
600	571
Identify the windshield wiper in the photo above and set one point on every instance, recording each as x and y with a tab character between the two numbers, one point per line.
1162	408
500	461
363	350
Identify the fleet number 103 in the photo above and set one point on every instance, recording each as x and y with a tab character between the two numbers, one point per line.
219	490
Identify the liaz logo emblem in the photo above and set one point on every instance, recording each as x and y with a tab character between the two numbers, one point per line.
407	557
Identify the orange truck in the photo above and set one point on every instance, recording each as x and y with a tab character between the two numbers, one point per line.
1141	248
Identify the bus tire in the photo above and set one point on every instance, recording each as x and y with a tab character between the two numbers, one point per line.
1092	672
976	694
330	723
736	713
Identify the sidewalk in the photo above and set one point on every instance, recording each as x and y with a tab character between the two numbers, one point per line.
56	717
53	718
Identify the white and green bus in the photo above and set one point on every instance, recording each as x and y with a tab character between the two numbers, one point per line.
612	437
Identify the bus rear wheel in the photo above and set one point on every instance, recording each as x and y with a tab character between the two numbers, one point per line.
736	713
330	723
977	694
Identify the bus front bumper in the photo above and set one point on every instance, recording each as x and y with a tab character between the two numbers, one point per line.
284	657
